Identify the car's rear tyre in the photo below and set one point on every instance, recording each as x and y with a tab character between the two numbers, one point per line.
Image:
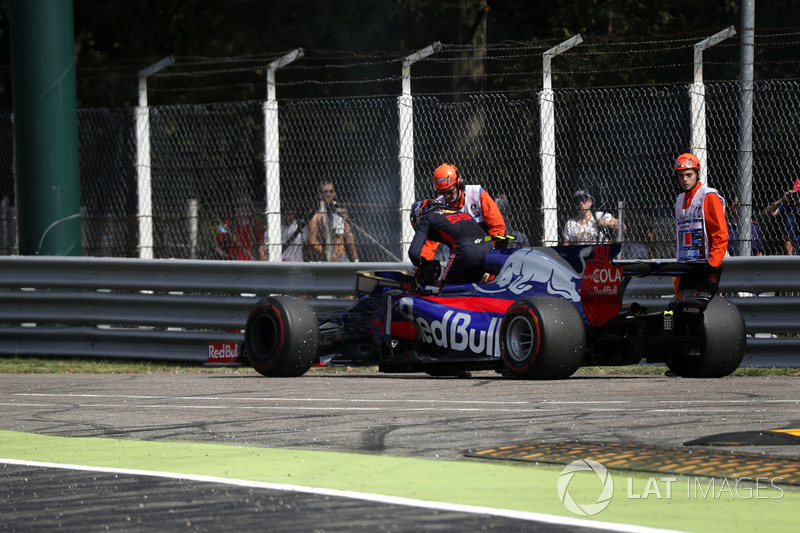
722	344
542	338
281	337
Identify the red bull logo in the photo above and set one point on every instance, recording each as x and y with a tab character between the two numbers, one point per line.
455	330
223	352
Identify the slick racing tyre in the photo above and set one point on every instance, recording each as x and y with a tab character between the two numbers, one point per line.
280	337
542	338
722	344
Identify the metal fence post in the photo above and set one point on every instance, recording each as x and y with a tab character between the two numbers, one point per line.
547	150
405	108
192	214
272	165
746	127
143	174
698	99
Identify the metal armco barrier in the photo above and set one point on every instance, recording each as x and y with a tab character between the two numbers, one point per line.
158	309
166	309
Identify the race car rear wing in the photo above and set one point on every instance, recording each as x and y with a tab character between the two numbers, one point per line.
659	268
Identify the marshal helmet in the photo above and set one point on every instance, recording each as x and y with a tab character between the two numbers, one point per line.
687	162
445	176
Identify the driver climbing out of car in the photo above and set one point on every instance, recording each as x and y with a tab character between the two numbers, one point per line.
702	235
470	199
438	222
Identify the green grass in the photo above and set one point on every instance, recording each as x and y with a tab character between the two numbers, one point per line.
39	365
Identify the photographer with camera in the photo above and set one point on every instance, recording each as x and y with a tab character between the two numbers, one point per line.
789	205
330	236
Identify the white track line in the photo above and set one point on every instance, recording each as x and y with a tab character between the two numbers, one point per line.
432	409
402	400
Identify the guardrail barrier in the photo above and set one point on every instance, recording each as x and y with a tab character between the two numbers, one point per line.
171	309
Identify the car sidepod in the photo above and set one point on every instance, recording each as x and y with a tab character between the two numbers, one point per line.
455	328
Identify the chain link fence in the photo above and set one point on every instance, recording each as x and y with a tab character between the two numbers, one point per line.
208	164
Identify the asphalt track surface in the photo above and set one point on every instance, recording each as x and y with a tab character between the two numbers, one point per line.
380	417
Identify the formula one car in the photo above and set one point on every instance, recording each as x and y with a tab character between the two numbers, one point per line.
546	312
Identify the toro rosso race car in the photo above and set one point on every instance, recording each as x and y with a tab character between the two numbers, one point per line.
546	312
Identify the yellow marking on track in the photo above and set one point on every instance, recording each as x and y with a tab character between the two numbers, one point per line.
795	432
645	458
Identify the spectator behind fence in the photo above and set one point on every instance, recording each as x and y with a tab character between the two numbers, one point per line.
588	226
330	236
293	236
732	216
789	206
240	238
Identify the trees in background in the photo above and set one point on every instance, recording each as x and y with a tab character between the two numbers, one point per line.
221	48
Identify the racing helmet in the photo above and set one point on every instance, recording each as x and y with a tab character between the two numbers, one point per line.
445	176
687	161
419	208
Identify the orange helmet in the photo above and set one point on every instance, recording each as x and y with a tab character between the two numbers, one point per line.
687	161
445	176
